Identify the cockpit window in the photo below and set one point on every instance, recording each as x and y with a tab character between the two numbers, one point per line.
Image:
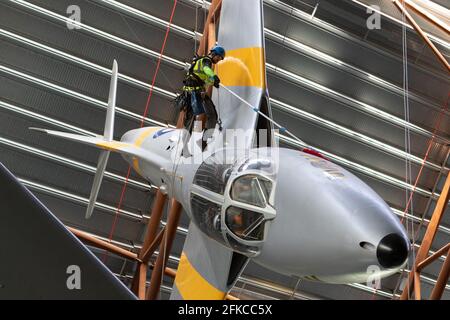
251	189
247	225
213	175
206	214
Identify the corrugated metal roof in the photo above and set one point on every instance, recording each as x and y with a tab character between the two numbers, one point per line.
330	83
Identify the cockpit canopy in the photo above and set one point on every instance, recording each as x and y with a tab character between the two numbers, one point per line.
232	202
252	189
245	224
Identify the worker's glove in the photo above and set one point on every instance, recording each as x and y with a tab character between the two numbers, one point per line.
216	81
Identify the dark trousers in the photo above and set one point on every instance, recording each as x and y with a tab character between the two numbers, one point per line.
197	103
200	105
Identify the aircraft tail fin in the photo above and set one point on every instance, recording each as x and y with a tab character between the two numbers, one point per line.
109	123
105	142
108	135
101	167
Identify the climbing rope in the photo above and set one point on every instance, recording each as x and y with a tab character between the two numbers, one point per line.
144	115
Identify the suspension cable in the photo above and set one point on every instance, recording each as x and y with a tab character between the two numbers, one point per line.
408	177
430	144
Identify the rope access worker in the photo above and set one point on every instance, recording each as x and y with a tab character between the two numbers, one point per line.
199	76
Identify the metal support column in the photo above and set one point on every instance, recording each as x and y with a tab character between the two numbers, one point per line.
165	247
429	236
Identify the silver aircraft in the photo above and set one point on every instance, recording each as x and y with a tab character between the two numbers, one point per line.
290	211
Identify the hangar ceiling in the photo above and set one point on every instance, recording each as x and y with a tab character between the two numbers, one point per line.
332	82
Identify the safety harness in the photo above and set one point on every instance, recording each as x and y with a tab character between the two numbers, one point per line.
193	82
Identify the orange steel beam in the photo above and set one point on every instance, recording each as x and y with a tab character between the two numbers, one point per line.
151	249
427	15
438	289
153	223
211	35
135	281
142	280
422	34
428	238
170	272
150	234
165	247
417	290
213	15
433	257
103	244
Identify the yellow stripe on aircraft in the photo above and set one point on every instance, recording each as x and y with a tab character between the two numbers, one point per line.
139	141
243	68
144	135
112	145
117	146
191	284
136	165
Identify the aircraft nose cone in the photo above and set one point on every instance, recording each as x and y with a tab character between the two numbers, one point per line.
392	251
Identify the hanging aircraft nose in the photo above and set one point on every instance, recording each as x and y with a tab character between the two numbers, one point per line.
392	251
334	225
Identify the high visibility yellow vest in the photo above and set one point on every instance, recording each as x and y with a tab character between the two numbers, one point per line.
200	74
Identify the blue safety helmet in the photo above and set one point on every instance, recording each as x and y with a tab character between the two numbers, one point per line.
218	50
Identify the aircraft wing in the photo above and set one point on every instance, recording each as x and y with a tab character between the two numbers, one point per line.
243	71
40	257
207	270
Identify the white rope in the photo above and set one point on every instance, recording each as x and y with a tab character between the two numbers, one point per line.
280	127
407	141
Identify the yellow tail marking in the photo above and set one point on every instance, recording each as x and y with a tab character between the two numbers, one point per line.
191	284
243	68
